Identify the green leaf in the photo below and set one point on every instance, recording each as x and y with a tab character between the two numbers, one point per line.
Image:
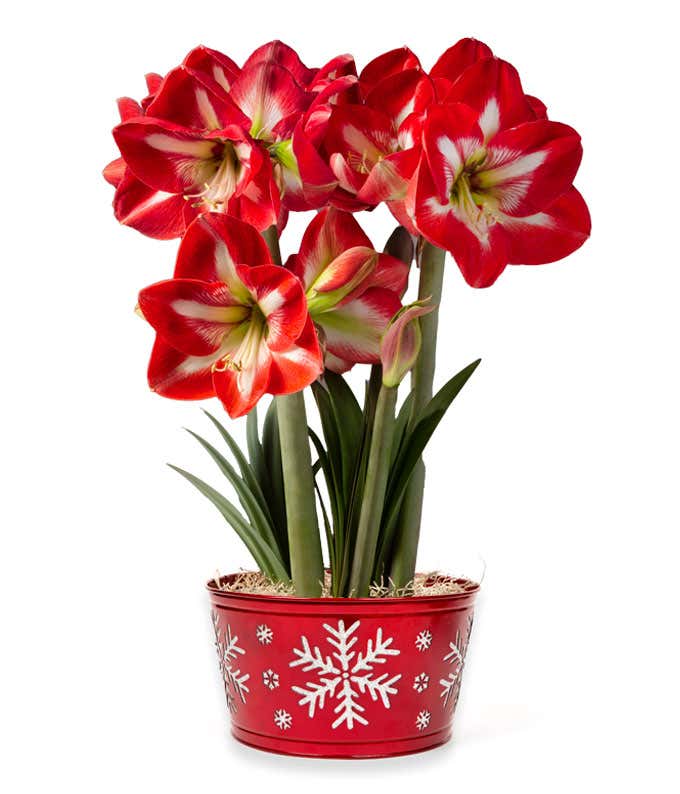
271	452
260	522
264	555
412	448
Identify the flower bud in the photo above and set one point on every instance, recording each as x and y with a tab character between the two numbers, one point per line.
400	345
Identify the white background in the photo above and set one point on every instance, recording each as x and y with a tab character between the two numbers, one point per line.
558	464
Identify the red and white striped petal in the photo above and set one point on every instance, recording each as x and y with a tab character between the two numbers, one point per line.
390	273
279	53
340	66
192	316
280	298
384	65
268	93
166	156
329	234
213	64
538	106
317	179
152	212
187	99
451	136
401	94
480	250
299	365
361	135
529	166
213	246
352	331
344	273
493	88
452	63
550	235
242	377
388	179
179	376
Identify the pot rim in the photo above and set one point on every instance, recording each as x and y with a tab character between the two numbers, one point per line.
328	601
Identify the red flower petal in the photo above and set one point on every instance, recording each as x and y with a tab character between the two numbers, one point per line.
399	95
529	166
214	244
178	376
494	89
549	235
298	366
280	298
214	64
151	212
240	388
128	108
114	172
452	63
166	156
190	315
283	55
384	65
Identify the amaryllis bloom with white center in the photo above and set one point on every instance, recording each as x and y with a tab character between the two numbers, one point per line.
494	186
229	323
352	290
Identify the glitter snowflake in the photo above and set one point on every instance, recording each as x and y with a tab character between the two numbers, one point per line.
228	651
423	720
424	640
270	679
345	675
420	682
264	634
282	719
456	658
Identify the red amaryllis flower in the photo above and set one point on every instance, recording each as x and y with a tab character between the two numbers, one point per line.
229	323
494	186
352	290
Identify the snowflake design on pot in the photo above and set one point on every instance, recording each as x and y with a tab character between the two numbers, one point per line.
420	682
228	652
282	719
456	658
424	640
270	679
264	634
346	675
423	720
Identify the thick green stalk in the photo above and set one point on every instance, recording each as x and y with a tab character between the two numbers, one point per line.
374	493
422	377
304	539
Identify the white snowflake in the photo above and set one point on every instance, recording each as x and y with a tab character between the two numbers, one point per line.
264	634
282	719
423	720
347	675
424	640
420	682
270	679
228	651
456	658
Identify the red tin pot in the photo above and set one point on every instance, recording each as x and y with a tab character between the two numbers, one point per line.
341	677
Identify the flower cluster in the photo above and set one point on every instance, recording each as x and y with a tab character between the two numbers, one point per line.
217	154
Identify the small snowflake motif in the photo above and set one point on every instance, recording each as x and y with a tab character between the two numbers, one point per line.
264	634
228	651
424	640
423	720
346	675
282	719
420	682
270	679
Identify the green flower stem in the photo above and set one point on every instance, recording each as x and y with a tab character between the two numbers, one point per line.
422	377
304	539
374	493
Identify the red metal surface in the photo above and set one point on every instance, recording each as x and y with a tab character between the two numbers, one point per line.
342	678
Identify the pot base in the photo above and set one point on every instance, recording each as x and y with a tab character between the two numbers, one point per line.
336	749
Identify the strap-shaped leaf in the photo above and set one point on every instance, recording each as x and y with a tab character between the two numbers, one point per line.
264	555
414	444
260	522
349	422
333	448
247	471
271	452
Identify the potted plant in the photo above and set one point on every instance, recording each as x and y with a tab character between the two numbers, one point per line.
358	655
